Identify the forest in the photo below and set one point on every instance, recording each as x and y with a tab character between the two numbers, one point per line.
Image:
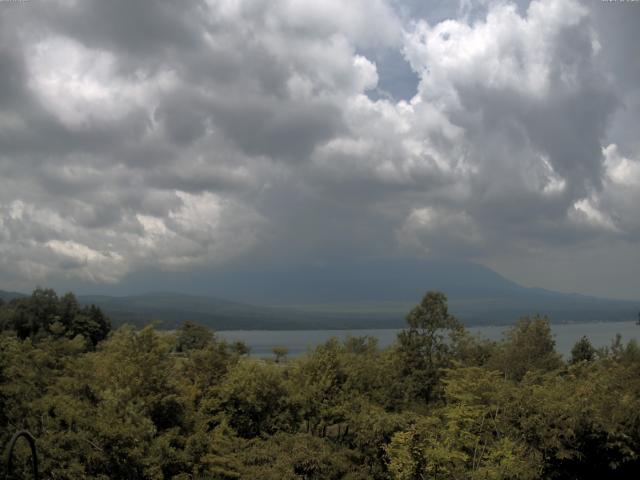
439	403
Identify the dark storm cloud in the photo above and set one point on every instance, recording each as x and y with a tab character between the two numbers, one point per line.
280	131
140	30
163	134
183	116
618	28
12	76
535	116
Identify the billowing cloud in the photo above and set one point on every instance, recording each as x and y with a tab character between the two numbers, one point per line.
178	134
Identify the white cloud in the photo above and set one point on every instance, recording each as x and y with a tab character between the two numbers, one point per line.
620	170
506	51
586	211
80	85
202	229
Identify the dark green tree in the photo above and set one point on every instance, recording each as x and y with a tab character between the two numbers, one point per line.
528	345
280	352
67	310
91	323
32	316
255	399
240	348
582	351
424	348
43	314
192	336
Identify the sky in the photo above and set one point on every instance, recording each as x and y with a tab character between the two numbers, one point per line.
164	137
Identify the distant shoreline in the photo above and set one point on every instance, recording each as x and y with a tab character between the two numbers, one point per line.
299	342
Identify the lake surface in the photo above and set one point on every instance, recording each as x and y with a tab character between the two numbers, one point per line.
298	342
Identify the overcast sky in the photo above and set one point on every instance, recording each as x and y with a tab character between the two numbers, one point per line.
174	136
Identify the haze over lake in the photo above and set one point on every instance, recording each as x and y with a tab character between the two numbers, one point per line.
298	342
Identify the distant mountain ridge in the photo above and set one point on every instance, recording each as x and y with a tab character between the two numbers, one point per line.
7	296
170	309
377	280
374	294
370	294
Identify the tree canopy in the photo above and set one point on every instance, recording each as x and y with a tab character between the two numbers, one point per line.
438	404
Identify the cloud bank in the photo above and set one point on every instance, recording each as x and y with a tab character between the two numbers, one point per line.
177	135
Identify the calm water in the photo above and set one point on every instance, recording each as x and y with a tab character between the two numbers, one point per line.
300	341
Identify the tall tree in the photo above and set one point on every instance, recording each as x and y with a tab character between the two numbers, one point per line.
528	345
425	346
192	336
583	351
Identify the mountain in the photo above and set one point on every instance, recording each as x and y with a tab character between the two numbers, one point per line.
7	296
403	280
373	294
170	309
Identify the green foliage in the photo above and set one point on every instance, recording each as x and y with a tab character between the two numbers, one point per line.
472	350
583	351
371	428
240	348
425	347
192	336
256	400
440	403
582	428
528	345
298	456
44	314
466	437
280	352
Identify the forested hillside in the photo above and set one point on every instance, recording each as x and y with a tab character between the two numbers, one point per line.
438	404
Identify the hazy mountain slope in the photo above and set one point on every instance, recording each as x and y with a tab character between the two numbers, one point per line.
371	294
377	281
169	310
6	296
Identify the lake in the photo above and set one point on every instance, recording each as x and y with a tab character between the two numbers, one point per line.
300	341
